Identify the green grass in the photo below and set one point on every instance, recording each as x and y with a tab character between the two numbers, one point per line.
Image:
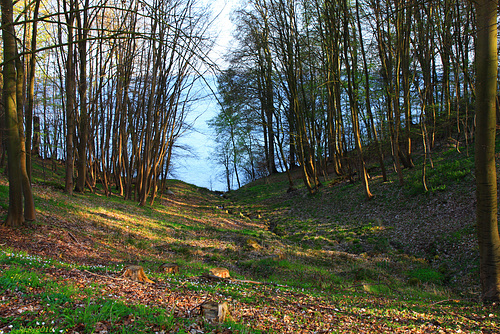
253	194
4	197
66	305
426	275
450	168
16	278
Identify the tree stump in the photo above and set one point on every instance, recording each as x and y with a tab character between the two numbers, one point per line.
169	268
218	273
252	244
279	255
214	311
136	273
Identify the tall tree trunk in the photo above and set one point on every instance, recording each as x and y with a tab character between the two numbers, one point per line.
395	64
266	89
352	90
83	124
331	44
446	47
486	178
70	100
406	22
31	90
269	106
29	205
367	98
391	84
15	213
35	147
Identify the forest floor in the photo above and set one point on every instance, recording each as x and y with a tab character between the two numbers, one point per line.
404	262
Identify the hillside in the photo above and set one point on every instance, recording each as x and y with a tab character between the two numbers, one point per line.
404	262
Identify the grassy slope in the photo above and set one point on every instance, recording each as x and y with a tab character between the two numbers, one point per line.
404	262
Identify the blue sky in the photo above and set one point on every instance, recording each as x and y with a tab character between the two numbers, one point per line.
198	166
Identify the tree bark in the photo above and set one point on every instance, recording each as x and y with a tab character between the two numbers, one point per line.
29	204
486	178
352	90
15	212
367	98
83	124
70	101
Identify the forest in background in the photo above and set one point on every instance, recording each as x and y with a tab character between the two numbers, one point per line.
106	86
330	84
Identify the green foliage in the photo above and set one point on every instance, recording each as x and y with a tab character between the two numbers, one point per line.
449	169
240	328
63	302
180	226
380	244
16	278
53	183
93	311
260	268
4	197
255	193
426	275
9	257
365	274
458	235
294	273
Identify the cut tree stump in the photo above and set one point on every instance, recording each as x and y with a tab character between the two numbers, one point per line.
214	311
218	273
169	268
252	244
279	255
136	273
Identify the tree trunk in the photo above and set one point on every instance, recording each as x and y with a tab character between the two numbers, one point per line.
15	213
35	148
367	98
31	94
352	90
83	124
486	178
391	84
29	204
70	101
